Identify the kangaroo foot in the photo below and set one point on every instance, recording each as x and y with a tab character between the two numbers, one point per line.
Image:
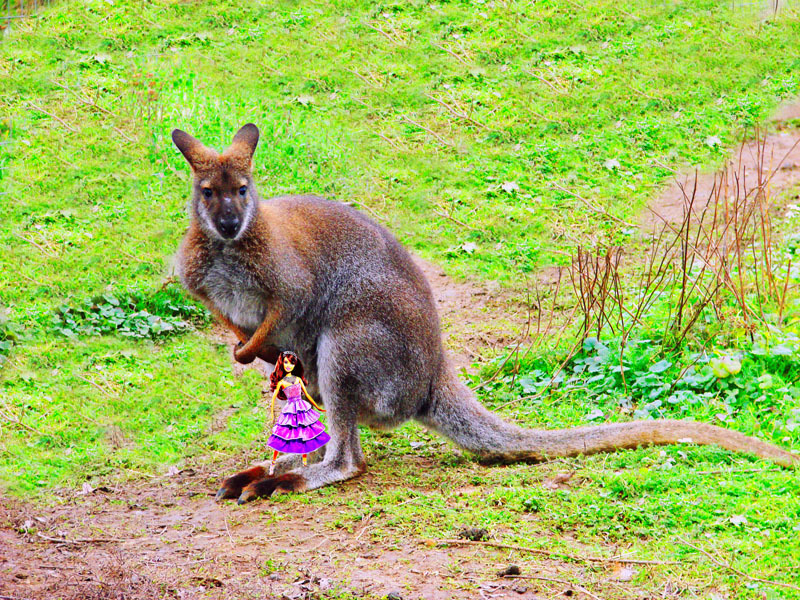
232	486
288	482
311	477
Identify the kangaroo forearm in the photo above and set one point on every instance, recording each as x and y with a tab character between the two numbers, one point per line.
267	353
241	335
248	352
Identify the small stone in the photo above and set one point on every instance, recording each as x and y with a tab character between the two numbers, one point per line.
474	534
394	596
509	570
520	589
274	576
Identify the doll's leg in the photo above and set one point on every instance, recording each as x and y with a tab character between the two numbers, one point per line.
272	463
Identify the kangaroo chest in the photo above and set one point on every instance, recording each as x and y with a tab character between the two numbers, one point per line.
233	290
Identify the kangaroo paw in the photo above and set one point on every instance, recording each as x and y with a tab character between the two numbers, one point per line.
288	482
232	486
244	354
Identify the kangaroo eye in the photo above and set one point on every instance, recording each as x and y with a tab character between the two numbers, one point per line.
207	192
243	190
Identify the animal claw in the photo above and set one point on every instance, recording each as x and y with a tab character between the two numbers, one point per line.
246	496
220	494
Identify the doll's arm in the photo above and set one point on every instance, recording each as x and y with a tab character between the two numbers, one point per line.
310	399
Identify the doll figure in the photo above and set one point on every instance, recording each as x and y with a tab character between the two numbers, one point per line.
298	430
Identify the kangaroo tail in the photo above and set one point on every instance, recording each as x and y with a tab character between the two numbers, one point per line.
454	412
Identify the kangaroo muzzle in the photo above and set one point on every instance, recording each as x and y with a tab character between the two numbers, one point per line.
228	222
228	226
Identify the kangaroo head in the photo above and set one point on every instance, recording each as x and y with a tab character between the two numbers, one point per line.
224	198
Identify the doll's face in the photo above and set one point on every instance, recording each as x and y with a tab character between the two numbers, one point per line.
288	364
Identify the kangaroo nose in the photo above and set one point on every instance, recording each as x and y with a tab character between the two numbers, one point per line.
229	226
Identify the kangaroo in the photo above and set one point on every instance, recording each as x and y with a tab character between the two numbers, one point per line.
321	279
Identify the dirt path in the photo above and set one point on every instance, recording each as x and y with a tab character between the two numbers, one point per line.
166	538
778	154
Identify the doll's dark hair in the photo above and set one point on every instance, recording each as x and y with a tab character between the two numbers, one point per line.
279	373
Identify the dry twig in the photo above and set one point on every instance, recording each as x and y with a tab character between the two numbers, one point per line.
575	557
56	117
719	563
439	138
78	541
592	207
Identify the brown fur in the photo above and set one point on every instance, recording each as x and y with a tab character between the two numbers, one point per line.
316	277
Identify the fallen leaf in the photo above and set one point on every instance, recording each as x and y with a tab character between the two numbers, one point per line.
559	482
622	573
595	414
738	520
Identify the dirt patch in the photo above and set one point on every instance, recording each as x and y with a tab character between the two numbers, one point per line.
167	538
777	156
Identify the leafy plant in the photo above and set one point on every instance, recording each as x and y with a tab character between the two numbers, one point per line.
648	383
135	315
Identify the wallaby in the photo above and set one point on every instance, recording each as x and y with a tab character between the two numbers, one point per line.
321	279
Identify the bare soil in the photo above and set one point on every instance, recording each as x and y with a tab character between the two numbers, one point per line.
168	538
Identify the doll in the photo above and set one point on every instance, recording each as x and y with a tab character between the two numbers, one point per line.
298	430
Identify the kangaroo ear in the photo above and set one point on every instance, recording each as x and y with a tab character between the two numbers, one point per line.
244	143
196	154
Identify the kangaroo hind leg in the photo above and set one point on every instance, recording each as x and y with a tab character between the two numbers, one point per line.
232	486
343	459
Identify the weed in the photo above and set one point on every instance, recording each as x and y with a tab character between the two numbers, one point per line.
134	315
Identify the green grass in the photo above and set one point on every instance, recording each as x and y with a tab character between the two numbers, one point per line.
551	92
102	408
413	111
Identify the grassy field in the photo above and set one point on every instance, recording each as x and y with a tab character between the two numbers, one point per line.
466	128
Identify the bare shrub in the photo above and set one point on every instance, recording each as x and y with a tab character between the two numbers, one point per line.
720	257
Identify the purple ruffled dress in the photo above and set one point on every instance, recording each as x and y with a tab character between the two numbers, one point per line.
298	429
